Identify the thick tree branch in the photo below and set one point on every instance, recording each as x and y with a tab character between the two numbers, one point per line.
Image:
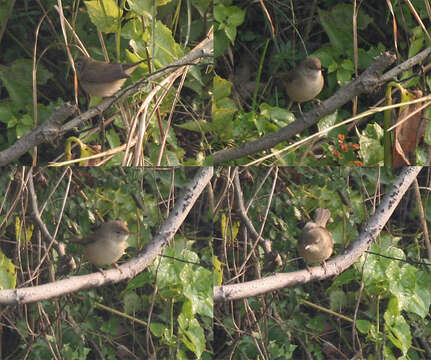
43	133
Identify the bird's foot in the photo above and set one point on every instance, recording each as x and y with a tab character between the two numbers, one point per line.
325	269
102	271
118	268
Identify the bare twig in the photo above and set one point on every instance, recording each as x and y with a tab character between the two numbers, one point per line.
66	261
422	218
266	244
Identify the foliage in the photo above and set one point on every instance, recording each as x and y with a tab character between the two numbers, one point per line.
228	18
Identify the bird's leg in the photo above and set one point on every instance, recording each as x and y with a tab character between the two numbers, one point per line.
307	267
325	269
102	271
289	105
118	268
299	107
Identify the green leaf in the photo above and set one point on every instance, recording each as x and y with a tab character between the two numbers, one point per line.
17	81
344	278
197	125
157	329
5	112
280	116
397	328
113	138
132	303
193	335
427	137
340	32
223	113
327	121
371	147
343	76
228	18
221	42
166	48
202	5
221	88
230	32
24	125
104	14
338	299
110	326
142	7
198	288
363	326
7	273
416	41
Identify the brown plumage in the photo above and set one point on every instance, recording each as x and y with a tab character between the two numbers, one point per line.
316	243
103	79
304	82
107	244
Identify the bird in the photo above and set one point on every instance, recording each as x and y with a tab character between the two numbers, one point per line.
103	79
304	82
107	244
316	243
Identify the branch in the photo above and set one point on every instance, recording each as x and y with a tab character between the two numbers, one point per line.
43	133
365	83
129	269
336	265
272	259
67	263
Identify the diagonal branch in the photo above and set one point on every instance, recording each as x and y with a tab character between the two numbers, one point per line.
46	132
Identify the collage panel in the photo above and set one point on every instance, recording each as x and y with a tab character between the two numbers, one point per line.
322	263
322	83
102	263
105	82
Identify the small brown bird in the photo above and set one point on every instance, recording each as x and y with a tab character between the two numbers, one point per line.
316	243
107	244
304	82
102	79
